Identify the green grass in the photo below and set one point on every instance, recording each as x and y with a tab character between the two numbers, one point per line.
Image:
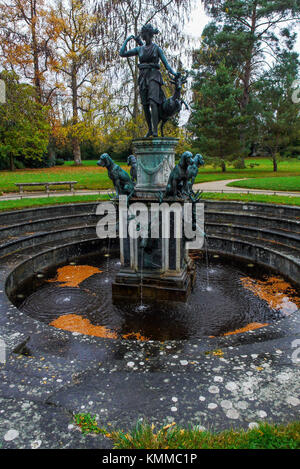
44	201
145	436
262	198
7	205
291	183
90	176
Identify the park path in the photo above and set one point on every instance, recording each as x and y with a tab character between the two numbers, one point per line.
214	186
222	186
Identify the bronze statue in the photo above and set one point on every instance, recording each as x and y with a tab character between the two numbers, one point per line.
172	106
121	180
150	79
131	161
178	181
193	169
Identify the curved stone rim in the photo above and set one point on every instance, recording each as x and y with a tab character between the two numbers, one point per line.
32	323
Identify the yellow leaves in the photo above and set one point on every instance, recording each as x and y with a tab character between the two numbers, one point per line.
218	353
168	426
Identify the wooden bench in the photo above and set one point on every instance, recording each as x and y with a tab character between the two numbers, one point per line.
47	185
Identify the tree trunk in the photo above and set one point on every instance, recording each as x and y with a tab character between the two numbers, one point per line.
51	151
12	162
37	80
223	166
75	140
76	151
247	75
275	166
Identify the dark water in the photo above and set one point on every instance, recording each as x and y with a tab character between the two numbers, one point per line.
218	304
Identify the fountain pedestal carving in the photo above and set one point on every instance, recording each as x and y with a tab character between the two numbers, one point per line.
155	268
155	161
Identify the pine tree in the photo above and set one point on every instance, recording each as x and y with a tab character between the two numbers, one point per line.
215	120
279	116
246	34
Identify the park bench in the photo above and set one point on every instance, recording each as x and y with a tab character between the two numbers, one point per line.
47	185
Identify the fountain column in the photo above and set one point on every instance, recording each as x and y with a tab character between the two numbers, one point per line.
160	266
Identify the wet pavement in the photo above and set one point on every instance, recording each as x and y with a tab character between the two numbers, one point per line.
233	381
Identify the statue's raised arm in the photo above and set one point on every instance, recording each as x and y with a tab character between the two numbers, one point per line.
128	53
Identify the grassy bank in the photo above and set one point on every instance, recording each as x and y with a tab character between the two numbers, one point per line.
291	183
90	176
145	436
44	201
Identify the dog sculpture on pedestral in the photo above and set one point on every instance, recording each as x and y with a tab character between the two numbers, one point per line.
131	161
193	169
121	180
178	180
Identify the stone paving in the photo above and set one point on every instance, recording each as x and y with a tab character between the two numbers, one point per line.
218	383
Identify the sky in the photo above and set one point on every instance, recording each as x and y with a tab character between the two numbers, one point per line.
199	19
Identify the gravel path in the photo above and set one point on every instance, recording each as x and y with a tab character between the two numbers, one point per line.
214	186
219	186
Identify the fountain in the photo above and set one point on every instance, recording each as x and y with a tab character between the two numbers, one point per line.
153	281
159	265
154	266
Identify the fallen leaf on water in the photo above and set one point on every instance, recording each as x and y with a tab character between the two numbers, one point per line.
73	275
76	323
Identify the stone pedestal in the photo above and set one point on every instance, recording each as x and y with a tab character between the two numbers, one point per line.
155	161
159	267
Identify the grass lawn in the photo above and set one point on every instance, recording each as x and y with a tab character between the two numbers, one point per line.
90	176
7	205
171	436
291	183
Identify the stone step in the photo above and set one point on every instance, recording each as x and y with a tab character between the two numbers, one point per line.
282	258
277	211
22	255
38	239
246	219
47	224
40	213
284	237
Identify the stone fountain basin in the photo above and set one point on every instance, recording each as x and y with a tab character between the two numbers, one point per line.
217	383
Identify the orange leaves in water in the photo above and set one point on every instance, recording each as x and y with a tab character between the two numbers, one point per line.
73	275
250	327
136	336
76	323
278	293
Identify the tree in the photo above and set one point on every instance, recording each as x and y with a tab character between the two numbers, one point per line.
279	115
27	40
81	55
24	128
215	117
246	34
